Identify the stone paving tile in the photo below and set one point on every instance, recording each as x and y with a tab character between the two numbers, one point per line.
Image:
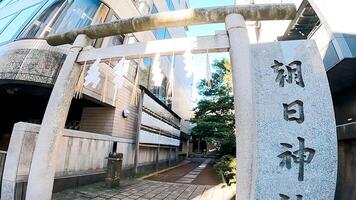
190	176
147	190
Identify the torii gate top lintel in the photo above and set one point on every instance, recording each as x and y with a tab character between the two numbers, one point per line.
253	12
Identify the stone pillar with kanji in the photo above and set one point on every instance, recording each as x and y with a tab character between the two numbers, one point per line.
296	144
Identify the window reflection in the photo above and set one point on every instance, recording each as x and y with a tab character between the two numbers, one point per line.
43	24
77	14
154	9
325	46
145	72
62	16
4	3
161	91
170	5
107	15
4	22
16	23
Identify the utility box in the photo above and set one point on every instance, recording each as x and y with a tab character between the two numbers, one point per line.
114	169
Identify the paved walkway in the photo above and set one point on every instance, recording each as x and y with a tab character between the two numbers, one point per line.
148	190
194	180
189	178
197	171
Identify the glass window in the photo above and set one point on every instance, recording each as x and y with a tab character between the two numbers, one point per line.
4	22
154	9
17	23
330	58
144	74
167	35
42	25
159	33
147	61
62	16
160	91
162	33
170	5
77	14
113	40
4	3
351	43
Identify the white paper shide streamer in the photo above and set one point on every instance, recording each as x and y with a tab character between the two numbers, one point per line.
93	75
171	77
119	73
157	75
189	63
208	71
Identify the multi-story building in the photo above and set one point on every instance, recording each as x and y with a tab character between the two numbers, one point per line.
329	23
106	117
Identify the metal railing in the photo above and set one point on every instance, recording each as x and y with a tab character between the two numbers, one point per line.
2	165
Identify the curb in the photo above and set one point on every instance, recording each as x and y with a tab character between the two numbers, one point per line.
163	170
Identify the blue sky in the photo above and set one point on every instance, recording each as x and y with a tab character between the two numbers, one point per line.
200	30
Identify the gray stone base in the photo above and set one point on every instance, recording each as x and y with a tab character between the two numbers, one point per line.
62	183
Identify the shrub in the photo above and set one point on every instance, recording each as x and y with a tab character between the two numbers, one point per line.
227	166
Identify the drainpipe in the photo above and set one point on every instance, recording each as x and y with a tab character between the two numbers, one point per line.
43	166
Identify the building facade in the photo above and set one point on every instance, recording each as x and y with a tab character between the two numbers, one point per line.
329	23
115	100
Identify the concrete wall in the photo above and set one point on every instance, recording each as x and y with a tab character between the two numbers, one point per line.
110	120
36	62
80	153
148	155
31	60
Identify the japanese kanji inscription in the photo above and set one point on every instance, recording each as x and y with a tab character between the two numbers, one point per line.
296	144
286	197
301	156
294	111
286	73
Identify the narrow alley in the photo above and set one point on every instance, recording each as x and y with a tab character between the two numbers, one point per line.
194	179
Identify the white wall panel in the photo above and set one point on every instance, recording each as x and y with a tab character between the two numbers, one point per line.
153	122
152	138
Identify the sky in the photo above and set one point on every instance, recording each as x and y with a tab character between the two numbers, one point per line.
200	30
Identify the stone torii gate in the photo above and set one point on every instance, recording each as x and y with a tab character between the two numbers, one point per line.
236	41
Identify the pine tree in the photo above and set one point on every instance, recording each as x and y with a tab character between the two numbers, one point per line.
214	114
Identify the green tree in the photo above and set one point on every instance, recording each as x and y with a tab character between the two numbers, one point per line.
214	114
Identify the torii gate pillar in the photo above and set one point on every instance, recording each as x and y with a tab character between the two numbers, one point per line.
286	136
242	76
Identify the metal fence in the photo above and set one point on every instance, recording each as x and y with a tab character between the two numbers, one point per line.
2	164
